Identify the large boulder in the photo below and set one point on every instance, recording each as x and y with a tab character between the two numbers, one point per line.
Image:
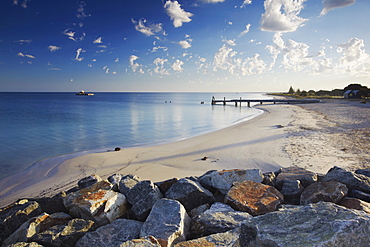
127	182
168	222
324	191
142	198
35	225
350	179
360	195
24	244
295	173
254	198
223	180
219	218
229	238
190	194
354	203
113	234
88	181
149	241
365	172
64	235
292	190
97	203
114	180
319	224
14	215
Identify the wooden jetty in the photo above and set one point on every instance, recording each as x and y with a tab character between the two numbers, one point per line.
248	101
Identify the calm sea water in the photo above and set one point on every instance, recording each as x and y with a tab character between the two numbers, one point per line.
35	126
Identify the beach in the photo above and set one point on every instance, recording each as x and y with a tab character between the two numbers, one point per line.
284	135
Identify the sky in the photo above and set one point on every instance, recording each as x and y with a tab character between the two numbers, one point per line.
183	45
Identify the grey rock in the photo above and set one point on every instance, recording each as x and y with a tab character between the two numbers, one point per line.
269	178
190	194
88	181
292	190
365	172
227	239
127	183
360	195
114	180
198	210
350	179
164	186
319	224
113	234
324	191
223	180
355	203
219	218
295	173
53	204
168	222
24	244
142	242
14	215
142	198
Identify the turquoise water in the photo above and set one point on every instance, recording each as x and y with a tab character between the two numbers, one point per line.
35	126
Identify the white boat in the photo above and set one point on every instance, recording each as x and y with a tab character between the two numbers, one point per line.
82	92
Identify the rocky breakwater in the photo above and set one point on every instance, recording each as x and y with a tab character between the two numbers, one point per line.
290	207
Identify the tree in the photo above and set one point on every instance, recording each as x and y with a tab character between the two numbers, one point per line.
291	90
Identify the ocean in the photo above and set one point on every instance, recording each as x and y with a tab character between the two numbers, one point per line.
37	126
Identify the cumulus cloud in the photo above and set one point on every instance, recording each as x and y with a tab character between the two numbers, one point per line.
23	41
176	66
246	2
160	69
53	48
81	10
354	58
136	67
230	42
156	48
223	59
213	1
247	28
25	55
23	4
185	44
148	30
176	13
332	4
282	15
78	53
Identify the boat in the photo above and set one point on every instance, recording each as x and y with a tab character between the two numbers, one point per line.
82	92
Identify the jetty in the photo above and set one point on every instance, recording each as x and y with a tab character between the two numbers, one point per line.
261	101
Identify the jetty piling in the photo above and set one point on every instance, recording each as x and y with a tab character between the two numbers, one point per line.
261	101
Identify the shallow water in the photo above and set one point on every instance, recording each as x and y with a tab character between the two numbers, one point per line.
35	126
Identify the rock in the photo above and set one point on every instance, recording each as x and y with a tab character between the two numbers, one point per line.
319	224
354	203
190	194
14	215
88	181
97	204
224	180
295	173
324	191
64	235
360	195
53	204
166	185
254	198
142	242
36	225
365	172
350	179
123	230
292	190
229	238
114	180
219	218
127	183
117	149
142	198
168	222
24	244
269	178
198	210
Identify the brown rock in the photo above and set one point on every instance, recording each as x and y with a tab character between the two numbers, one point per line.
254	198
324	191
354	203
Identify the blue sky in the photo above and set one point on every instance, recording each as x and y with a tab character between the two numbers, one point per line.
184	45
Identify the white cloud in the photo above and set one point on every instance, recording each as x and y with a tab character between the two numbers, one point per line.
136	67
176	13
247	28
176	66
71	35
53	48
22	41
117	60
98	41
354	58
223	59
149	30
332	4
159	69
230	42
81	11
78	53
23	4
253	65
156	48
246	2
213	1
184	44
282	15
25	55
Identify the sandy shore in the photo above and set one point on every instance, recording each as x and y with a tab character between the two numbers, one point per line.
282	136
